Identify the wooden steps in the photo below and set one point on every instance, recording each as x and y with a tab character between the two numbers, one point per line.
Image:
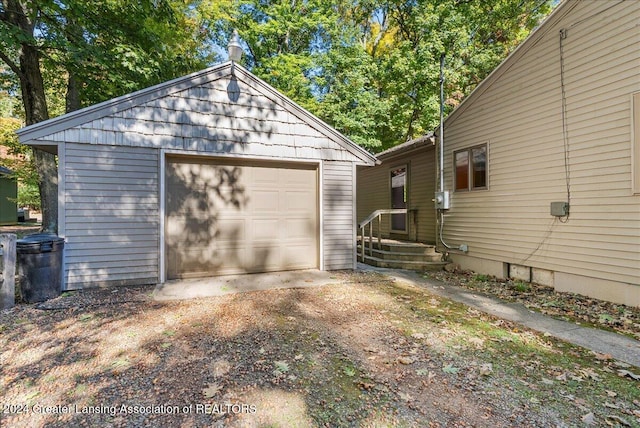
400	255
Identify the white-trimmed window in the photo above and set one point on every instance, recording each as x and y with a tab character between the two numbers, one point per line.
470	166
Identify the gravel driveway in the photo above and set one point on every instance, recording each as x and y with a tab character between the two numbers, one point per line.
363	351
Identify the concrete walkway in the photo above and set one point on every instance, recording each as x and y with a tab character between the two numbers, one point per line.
221	285
620	347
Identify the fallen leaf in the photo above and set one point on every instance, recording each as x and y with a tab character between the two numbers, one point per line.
406	360
623	373
366	386
486	369
614	420
569	397
611	405
211	390
611	393
477	342
405	396
590	373
603	357
589	419
220	367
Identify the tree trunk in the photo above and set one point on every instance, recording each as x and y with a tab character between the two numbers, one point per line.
73	94
48	186
35	109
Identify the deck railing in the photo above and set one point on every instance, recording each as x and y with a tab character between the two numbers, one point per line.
376	215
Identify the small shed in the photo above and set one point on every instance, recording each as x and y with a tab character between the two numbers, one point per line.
8	196
213	173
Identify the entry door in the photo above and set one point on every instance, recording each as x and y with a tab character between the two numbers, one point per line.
399	198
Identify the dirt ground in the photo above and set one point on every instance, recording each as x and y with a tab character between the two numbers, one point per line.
364	351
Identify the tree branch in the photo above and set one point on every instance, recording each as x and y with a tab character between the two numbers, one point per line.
12	65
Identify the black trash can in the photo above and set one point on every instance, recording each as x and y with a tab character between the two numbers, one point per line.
39	263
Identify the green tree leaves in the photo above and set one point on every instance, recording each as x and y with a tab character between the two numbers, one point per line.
371	68
19	160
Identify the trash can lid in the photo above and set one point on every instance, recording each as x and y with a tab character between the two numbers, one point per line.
37	239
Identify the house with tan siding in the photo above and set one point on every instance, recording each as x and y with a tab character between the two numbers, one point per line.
213	173
404	179
542	159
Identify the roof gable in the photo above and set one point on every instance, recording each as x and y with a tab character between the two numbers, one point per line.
210	111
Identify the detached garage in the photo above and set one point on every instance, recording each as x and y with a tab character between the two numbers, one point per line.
214	173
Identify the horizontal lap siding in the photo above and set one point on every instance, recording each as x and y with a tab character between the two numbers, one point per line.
338	200
422	187
373	194
519	116
111	215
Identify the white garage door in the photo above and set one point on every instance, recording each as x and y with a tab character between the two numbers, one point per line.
227	218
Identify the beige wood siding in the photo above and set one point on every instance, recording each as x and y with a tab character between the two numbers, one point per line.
374	192
231	218
111	215
518	113
422	190
338	221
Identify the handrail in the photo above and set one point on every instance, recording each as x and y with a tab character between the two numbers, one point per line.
369	221
376	213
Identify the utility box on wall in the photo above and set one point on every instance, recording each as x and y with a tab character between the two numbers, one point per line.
559	209
442	200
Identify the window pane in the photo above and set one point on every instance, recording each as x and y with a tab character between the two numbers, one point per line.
479	167
399	197
462	170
